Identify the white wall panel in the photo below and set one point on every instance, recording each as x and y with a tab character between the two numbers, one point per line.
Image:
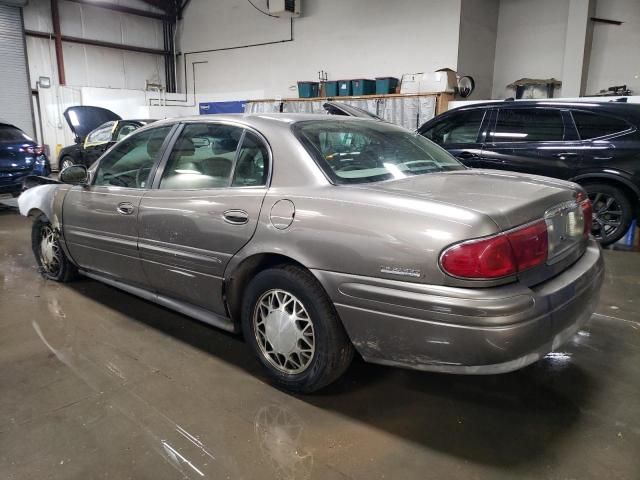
71	19
37	15
615	59
358	38
142	32
530	41
140	67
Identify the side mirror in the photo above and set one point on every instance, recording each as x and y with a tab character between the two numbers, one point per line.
77	139
75	175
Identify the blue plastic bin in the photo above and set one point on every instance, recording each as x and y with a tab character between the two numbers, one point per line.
344	88
386	85
308	89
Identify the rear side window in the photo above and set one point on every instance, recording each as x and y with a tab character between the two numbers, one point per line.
592	125
12	134
202	157
528	125
460	128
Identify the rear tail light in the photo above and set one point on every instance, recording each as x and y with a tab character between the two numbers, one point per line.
498	256
587	212
36	150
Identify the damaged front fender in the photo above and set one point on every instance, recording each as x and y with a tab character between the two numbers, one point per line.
43	199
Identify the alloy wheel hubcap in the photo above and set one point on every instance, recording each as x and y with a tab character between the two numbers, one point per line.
607	215
49	251
284	331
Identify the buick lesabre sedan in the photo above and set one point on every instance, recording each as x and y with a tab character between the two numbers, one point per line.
320	236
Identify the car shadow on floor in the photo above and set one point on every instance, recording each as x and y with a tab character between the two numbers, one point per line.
500	420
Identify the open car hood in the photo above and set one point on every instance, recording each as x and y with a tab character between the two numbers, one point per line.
337	108
83	119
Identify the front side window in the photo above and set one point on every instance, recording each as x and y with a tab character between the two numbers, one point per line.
130	162
460	128
592	125
202	157
101	134
353	151
528	125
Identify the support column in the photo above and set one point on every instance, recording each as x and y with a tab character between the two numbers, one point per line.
57	36
577	48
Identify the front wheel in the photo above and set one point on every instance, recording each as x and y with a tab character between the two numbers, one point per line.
294	329
50	256
612	212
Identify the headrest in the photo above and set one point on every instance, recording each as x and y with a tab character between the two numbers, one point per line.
153	146
184	147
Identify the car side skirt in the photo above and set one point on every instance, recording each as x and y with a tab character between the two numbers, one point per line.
184	308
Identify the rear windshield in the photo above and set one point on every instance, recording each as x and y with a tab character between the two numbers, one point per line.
12	134
352	151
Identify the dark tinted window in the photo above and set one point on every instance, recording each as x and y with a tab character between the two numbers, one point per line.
12	134
202	157
591	125
251	166
528	125
460	128
130	161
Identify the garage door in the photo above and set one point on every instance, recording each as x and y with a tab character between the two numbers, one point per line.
15	94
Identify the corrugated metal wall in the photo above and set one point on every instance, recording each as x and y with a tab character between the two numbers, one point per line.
15	94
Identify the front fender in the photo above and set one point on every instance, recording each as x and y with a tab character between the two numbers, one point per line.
45	199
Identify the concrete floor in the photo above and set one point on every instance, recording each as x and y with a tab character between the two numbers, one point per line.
95	383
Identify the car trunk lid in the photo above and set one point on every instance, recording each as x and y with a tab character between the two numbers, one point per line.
509	199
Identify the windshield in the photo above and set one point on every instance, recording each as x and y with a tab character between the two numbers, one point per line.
352	151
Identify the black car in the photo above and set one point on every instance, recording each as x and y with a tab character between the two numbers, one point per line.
20	156
594	144
96	129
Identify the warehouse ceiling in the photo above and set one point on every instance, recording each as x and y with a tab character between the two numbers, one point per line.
171	7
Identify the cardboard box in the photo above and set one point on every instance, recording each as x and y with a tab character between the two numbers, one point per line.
443	80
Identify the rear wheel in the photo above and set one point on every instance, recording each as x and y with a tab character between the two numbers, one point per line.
612	212
66	161
294	329
50	256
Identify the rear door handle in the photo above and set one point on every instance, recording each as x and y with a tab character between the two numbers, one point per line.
466	154
125	208
565	154
236	217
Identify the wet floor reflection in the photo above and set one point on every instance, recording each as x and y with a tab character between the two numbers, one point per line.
96	383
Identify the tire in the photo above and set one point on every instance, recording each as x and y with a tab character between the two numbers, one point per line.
612	212
52	261
316	320
66	161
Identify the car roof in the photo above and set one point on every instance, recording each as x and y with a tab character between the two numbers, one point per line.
258	119
595	105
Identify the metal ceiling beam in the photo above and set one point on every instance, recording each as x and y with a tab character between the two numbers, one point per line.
123	9
96	43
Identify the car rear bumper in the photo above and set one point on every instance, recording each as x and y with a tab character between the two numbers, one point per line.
467	331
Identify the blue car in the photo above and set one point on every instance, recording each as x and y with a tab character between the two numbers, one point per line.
20	156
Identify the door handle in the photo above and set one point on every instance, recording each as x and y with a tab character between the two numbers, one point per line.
565	154
466	154
236	217
125	208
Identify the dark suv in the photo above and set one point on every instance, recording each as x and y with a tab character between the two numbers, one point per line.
594	144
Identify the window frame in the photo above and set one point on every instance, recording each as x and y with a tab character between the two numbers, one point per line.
159	172
154	168
490	140
627	130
